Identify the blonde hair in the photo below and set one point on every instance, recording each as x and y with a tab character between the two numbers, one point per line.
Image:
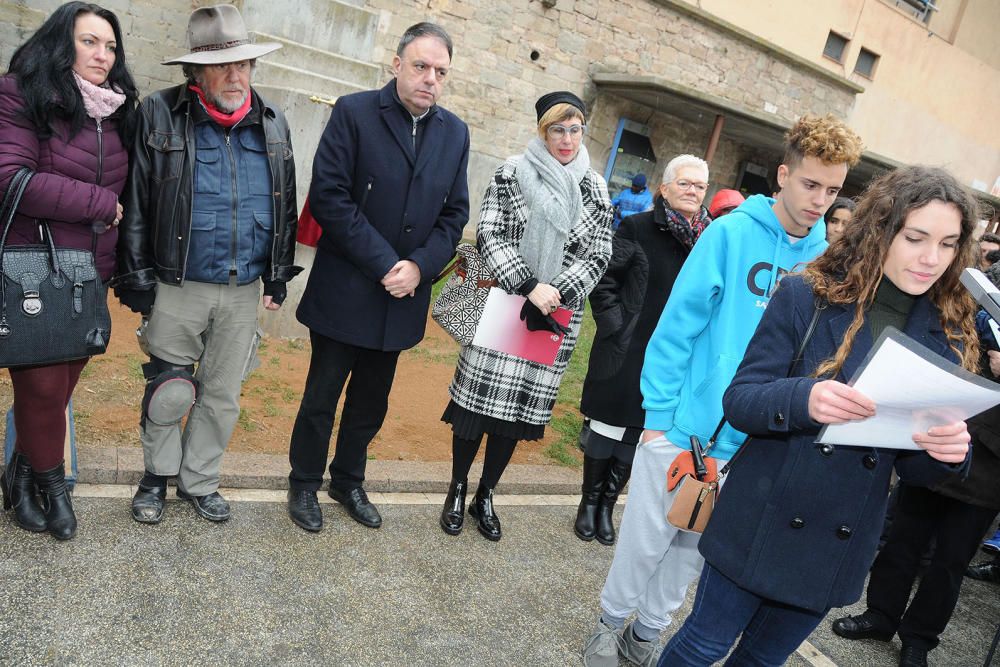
557	113
826	138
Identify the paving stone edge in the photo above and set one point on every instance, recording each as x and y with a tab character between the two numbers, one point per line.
124	465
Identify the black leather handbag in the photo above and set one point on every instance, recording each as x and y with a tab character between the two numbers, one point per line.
53	305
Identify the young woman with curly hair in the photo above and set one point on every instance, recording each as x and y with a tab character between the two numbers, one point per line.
798	522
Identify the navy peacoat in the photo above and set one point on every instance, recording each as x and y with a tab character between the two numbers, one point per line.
378	201
798	522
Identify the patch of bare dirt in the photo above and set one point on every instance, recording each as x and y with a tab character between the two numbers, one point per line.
107	400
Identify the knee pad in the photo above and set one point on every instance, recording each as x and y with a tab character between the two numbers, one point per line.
171	390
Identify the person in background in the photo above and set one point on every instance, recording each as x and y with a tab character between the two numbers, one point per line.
635	199
647	253
837	217
988	242
797	524
65	107
545	233
724	201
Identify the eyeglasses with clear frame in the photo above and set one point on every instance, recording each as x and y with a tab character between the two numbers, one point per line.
687	185
560	131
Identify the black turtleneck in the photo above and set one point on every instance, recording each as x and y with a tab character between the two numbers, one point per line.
891	308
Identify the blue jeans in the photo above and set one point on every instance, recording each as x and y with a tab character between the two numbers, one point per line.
722	611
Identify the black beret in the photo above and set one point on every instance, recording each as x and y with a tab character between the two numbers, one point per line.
549	100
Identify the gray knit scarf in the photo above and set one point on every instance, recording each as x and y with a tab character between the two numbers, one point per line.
552	195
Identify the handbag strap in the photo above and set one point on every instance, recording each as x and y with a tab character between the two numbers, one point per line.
819	306
11	200
447	270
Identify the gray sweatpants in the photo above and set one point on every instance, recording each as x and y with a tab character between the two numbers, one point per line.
212	326
654	562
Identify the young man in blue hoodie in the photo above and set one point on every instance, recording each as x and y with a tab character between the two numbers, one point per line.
713	310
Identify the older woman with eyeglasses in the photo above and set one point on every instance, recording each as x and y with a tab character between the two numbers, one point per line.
545	233
685	182
626	304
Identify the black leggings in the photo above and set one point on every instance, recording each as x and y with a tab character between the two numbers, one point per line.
498	452
602	447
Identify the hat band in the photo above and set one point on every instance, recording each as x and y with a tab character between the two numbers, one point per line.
220	47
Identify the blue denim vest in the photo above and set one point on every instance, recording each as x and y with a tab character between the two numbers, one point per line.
232	217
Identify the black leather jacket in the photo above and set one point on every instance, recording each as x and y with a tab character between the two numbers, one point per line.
155	231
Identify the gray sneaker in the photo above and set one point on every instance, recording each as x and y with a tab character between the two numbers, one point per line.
603	647
637	652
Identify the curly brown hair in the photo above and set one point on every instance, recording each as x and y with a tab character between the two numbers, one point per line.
850	270
825	137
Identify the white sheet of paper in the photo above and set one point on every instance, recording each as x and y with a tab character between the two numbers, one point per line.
913	389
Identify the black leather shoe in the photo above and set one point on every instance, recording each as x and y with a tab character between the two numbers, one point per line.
358	506
481	510
212	507
861	627
984	572
912	656
303	507
148	503
453	514
18	485
618	477
56	503
595	474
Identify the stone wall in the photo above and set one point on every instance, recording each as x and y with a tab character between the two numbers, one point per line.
495	81
154	31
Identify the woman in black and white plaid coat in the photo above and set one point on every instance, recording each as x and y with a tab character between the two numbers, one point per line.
545	233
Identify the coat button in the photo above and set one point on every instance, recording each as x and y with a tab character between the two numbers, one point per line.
826	450
869	461
779	418
797	523
844	532
407	229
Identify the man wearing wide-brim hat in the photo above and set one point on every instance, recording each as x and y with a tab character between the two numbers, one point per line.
209	231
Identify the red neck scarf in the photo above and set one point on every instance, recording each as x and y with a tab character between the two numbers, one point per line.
222	118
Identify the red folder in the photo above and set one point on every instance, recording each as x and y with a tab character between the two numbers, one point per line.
502	329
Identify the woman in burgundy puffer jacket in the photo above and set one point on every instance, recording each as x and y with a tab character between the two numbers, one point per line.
65	105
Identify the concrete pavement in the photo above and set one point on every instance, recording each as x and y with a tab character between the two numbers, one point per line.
259	591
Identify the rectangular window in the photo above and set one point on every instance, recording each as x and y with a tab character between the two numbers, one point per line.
867	61
835	45
919	9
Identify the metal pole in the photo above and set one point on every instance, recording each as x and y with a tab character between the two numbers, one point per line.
713	141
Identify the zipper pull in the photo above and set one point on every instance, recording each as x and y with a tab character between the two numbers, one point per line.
100	130
227	138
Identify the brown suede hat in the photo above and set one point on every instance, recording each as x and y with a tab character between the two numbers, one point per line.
218	35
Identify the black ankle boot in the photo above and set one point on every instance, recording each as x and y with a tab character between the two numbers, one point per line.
18	486
481	510
595	472
453	514
617	479
56	502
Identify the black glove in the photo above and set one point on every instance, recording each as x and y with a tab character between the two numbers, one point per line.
535	320
277	290
137	300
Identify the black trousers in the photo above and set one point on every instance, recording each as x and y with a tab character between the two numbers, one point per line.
371	373
922	515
